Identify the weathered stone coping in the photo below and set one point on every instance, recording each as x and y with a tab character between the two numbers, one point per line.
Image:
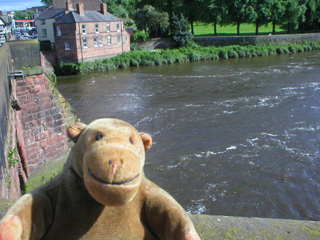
222	227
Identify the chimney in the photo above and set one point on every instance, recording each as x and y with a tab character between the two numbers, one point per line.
103	7
80	8
69	6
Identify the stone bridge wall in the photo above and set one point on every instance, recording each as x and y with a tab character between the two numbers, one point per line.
35	134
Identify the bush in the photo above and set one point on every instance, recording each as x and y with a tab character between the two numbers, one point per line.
180	30
67	69
140	36
223	54
232	54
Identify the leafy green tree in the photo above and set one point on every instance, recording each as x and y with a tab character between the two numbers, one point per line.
46	2
29	14
19	15
241	11
263	11
141	19
312	15
278	9
317	17
215	12
180	30
294	14
122	9
151	21
192	10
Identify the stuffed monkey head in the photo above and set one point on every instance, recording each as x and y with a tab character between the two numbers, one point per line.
109	156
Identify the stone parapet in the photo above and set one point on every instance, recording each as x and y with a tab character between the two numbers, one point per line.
223	227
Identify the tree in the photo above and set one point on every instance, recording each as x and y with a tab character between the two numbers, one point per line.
278	9
312	15
294	14
29	14
180	30
19	15
46	2
192	10
241	11
215	10
151	21
263	12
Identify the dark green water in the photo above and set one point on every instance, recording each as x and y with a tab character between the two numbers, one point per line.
231	137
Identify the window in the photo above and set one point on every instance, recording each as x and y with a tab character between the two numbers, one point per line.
66	46
95	40
119	39
58	31
109	40
127	39
84	42
97	28
108	27
43	21
83	28
44	33
2	38
118	27
100	41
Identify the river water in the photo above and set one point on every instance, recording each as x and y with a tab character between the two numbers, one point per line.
235	137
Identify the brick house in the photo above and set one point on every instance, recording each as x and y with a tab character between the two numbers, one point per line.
82	36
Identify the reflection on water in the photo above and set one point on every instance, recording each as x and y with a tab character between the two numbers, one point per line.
237	137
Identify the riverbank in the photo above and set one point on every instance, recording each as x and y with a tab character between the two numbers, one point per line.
191	52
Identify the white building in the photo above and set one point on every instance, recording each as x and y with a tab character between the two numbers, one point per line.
44	24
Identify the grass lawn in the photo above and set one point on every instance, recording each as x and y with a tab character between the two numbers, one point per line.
202	29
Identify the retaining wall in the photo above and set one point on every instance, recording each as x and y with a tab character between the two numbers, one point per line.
37	132
257	40
9	179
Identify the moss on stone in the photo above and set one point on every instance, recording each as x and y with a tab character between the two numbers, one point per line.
42	177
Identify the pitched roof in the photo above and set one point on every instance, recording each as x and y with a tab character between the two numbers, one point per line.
52	13
89	16
6	19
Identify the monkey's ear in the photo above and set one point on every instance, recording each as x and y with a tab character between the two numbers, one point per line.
147	140
75	129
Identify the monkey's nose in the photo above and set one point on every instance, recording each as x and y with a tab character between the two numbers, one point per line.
113	166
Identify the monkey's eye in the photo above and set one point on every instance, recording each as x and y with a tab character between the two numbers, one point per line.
99	136
131	140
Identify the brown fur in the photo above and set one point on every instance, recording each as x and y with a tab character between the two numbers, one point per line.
102	193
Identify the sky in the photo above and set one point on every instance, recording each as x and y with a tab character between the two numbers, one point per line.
11	5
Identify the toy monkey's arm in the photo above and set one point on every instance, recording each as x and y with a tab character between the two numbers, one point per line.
165	216
28	218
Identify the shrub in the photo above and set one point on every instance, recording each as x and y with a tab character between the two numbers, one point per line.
223	54
180	30
232	54
140	36
67	69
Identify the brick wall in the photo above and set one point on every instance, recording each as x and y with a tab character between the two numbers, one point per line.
36	133
9	179
42	121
